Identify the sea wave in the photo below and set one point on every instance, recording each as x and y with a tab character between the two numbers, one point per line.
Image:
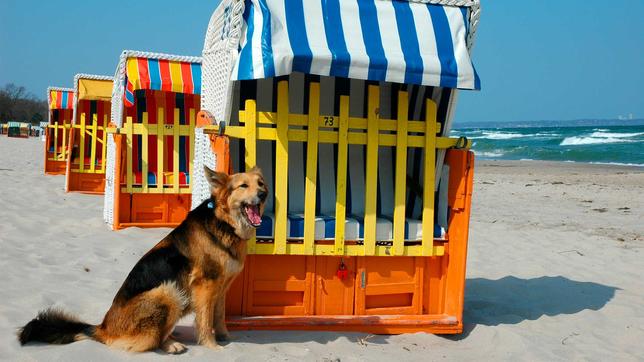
603	134
495	153
577	141
619	164
493	135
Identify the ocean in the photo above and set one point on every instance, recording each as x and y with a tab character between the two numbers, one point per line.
616	144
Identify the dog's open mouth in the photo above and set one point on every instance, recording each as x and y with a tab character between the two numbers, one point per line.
252	214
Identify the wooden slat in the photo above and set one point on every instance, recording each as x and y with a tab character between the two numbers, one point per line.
371	177
92	152
63	153
281	168
251	133
104	144
160	148
400	177
341	178
129	141
355	138
349	250
324	121
83	125
311	168
251	147
191	139
55	140
154	190
154	130
145	167
428	179
175	152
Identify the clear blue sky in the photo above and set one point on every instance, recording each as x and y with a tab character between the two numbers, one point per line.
537	60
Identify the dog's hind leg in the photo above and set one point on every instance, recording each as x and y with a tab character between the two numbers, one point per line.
145	322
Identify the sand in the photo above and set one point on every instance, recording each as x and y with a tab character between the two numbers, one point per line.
555	270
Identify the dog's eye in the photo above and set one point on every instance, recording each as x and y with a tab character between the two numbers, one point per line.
260	184
243	186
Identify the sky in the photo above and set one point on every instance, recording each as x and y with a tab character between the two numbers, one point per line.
538	60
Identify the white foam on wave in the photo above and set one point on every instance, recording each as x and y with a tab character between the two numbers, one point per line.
602	134
495	153
503	135
577	141
619	164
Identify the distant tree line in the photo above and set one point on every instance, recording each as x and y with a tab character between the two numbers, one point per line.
16	104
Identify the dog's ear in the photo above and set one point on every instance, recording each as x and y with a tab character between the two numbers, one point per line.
256	170
217	180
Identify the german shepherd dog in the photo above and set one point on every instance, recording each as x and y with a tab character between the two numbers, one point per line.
189	270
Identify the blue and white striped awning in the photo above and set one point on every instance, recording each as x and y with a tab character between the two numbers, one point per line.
395	41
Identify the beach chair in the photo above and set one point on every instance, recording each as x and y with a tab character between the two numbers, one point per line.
60	104
17	129
155	100
345	106
25	130
88	140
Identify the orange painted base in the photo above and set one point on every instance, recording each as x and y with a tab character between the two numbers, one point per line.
383	295
145	210
54	167
87	183
151	210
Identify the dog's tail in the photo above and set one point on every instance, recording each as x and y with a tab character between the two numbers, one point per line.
56	327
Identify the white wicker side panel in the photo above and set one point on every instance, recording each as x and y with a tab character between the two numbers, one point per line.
218	59
110	180
203	157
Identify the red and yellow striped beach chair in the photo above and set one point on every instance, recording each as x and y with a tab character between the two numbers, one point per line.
60	103
149	157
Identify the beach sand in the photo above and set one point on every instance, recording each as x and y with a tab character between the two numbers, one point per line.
555	270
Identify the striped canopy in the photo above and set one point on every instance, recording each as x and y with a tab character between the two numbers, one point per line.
161	74
395	41
61	99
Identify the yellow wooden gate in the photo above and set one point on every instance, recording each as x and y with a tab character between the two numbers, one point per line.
91	131
57	130
159	130
343	130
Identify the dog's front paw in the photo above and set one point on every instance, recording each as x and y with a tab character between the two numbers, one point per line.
173	347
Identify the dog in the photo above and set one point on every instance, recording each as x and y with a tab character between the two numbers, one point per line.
190	270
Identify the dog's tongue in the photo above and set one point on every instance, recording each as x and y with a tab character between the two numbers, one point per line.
253	214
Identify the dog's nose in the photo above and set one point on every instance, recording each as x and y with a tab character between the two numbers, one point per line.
262	195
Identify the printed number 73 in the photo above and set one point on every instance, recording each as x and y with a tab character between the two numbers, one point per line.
329	121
